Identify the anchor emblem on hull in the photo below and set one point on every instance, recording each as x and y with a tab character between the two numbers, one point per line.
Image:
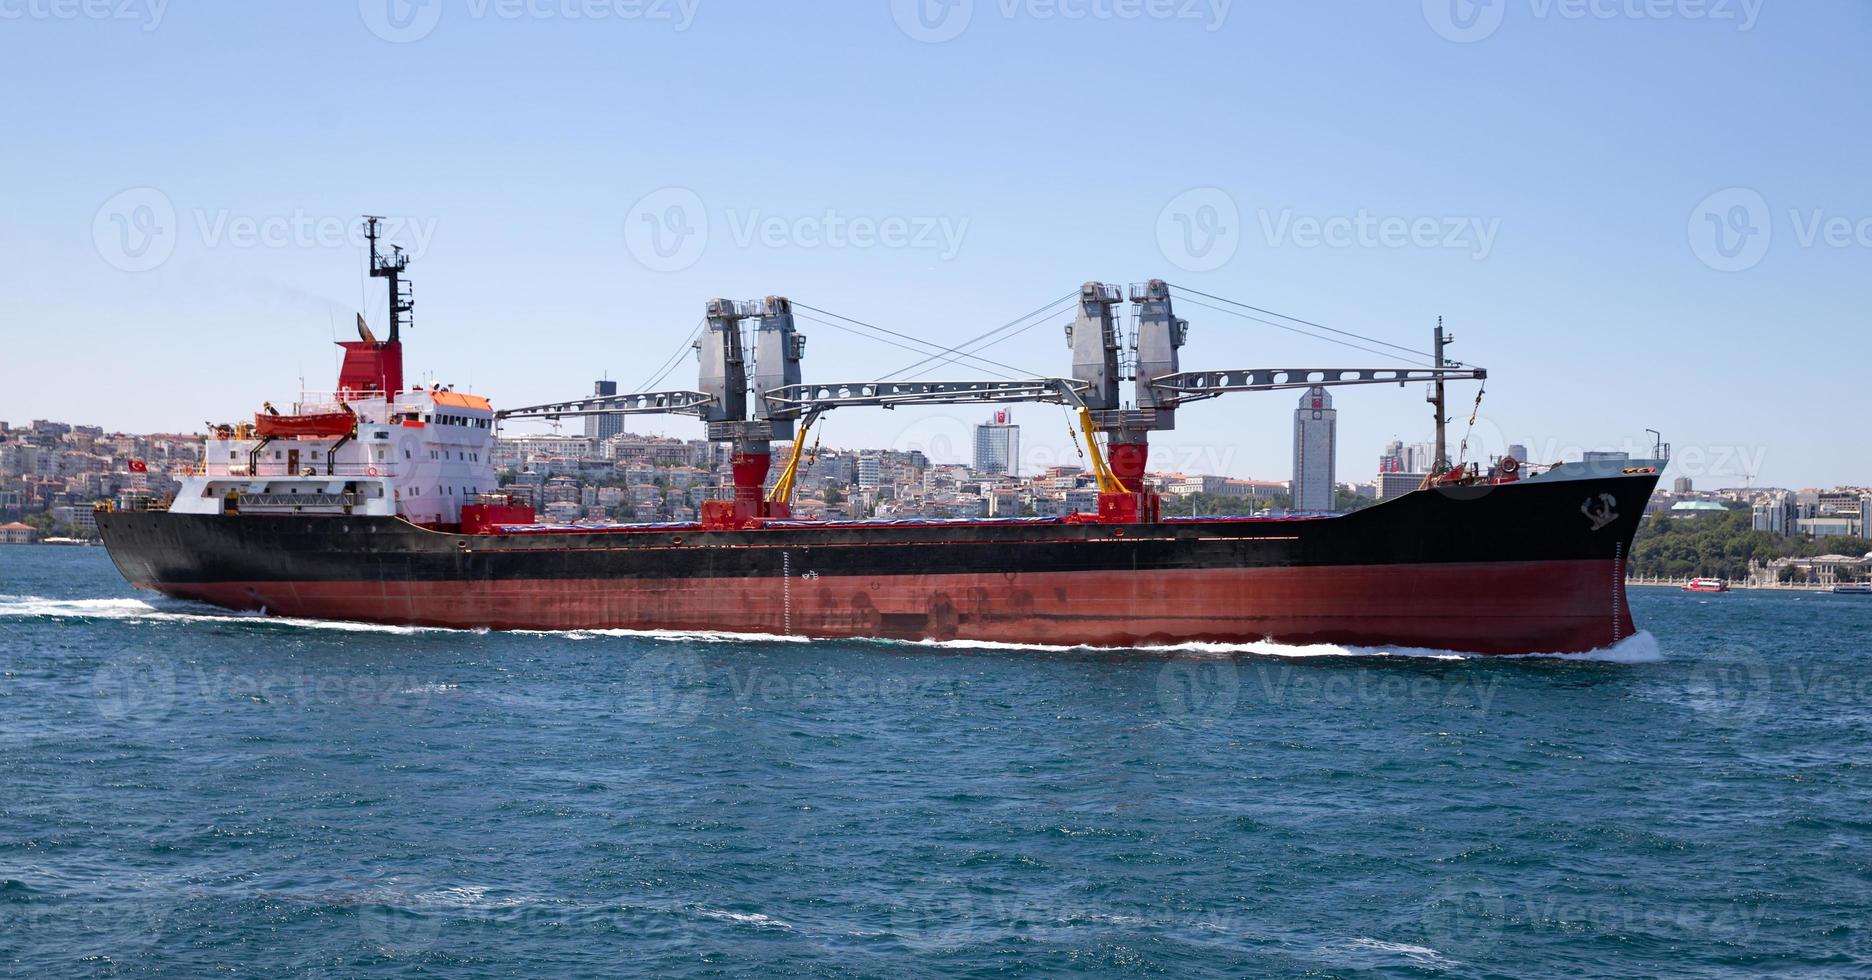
1600	511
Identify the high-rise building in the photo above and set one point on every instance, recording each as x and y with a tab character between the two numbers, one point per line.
1399	458
1392	459
1316	439
870	471
997	446
1683	485
598	428
1778	514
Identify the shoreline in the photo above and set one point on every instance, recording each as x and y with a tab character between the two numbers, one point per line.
1736	587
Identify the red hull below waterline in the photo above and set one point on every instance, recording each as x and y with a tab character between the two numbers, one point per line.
1551	606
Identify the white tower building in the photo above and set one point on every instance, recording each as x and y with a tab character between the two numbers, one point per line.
1316	438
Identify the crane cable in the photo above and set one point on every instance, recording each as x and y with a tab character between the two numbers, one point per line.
881	340
670	365
958	349
1462	451
939	349
1317	326
1282	326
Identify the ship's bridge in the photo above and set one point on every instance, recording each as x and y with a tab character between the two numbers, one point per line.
420	455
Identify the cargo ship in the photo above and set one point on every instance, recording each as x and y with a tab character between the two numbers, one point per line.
378	502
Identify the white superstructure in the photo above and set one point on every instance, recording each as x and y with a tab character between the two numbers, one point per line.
419	456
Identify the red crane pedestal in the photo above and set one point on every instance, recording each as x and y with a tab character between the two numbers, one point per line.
1135	504
749	504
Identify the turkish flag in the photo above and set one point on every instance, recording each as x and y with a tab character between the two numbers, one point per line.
138	466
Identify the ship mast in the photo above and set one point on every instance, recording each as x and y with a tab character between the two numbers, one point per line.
1436	398
390	268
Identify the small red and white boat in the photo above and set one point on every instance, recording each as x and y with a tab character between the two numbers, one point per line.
1706	585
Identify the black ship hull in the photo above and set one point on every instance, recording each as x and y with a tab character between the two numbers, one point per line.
1534	566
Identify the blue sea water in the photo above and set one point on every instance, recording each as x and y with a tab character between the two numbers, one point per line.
188	792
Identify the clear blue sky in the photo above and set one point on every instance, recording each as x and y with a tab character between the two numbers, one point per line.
1575	146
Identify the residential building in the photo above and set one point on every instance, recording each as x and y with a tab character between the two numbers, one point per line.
1777	514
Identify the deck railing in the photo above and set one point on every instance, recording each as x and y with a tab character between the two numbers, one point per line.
315	468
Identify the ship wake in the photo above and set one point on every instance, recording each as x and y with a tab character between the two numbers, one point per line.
1639	648
182	611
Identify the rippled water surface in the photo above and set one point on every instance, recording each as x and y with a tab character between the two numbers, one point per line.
186	792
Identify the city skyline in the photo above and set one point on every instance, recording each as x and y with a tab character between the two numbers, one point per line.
558	231
1394	459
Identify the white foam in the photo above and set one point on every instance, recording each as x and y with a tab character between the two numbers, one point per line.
431	689
745	918
683	636
1641	647
30	605
1420	954
472	897
137	609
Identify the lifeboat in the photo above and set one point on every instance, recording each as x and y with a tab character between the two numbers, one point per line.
330	425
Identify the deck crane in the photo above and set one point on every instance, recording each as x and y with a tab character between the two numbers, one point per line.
783	408
722	401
